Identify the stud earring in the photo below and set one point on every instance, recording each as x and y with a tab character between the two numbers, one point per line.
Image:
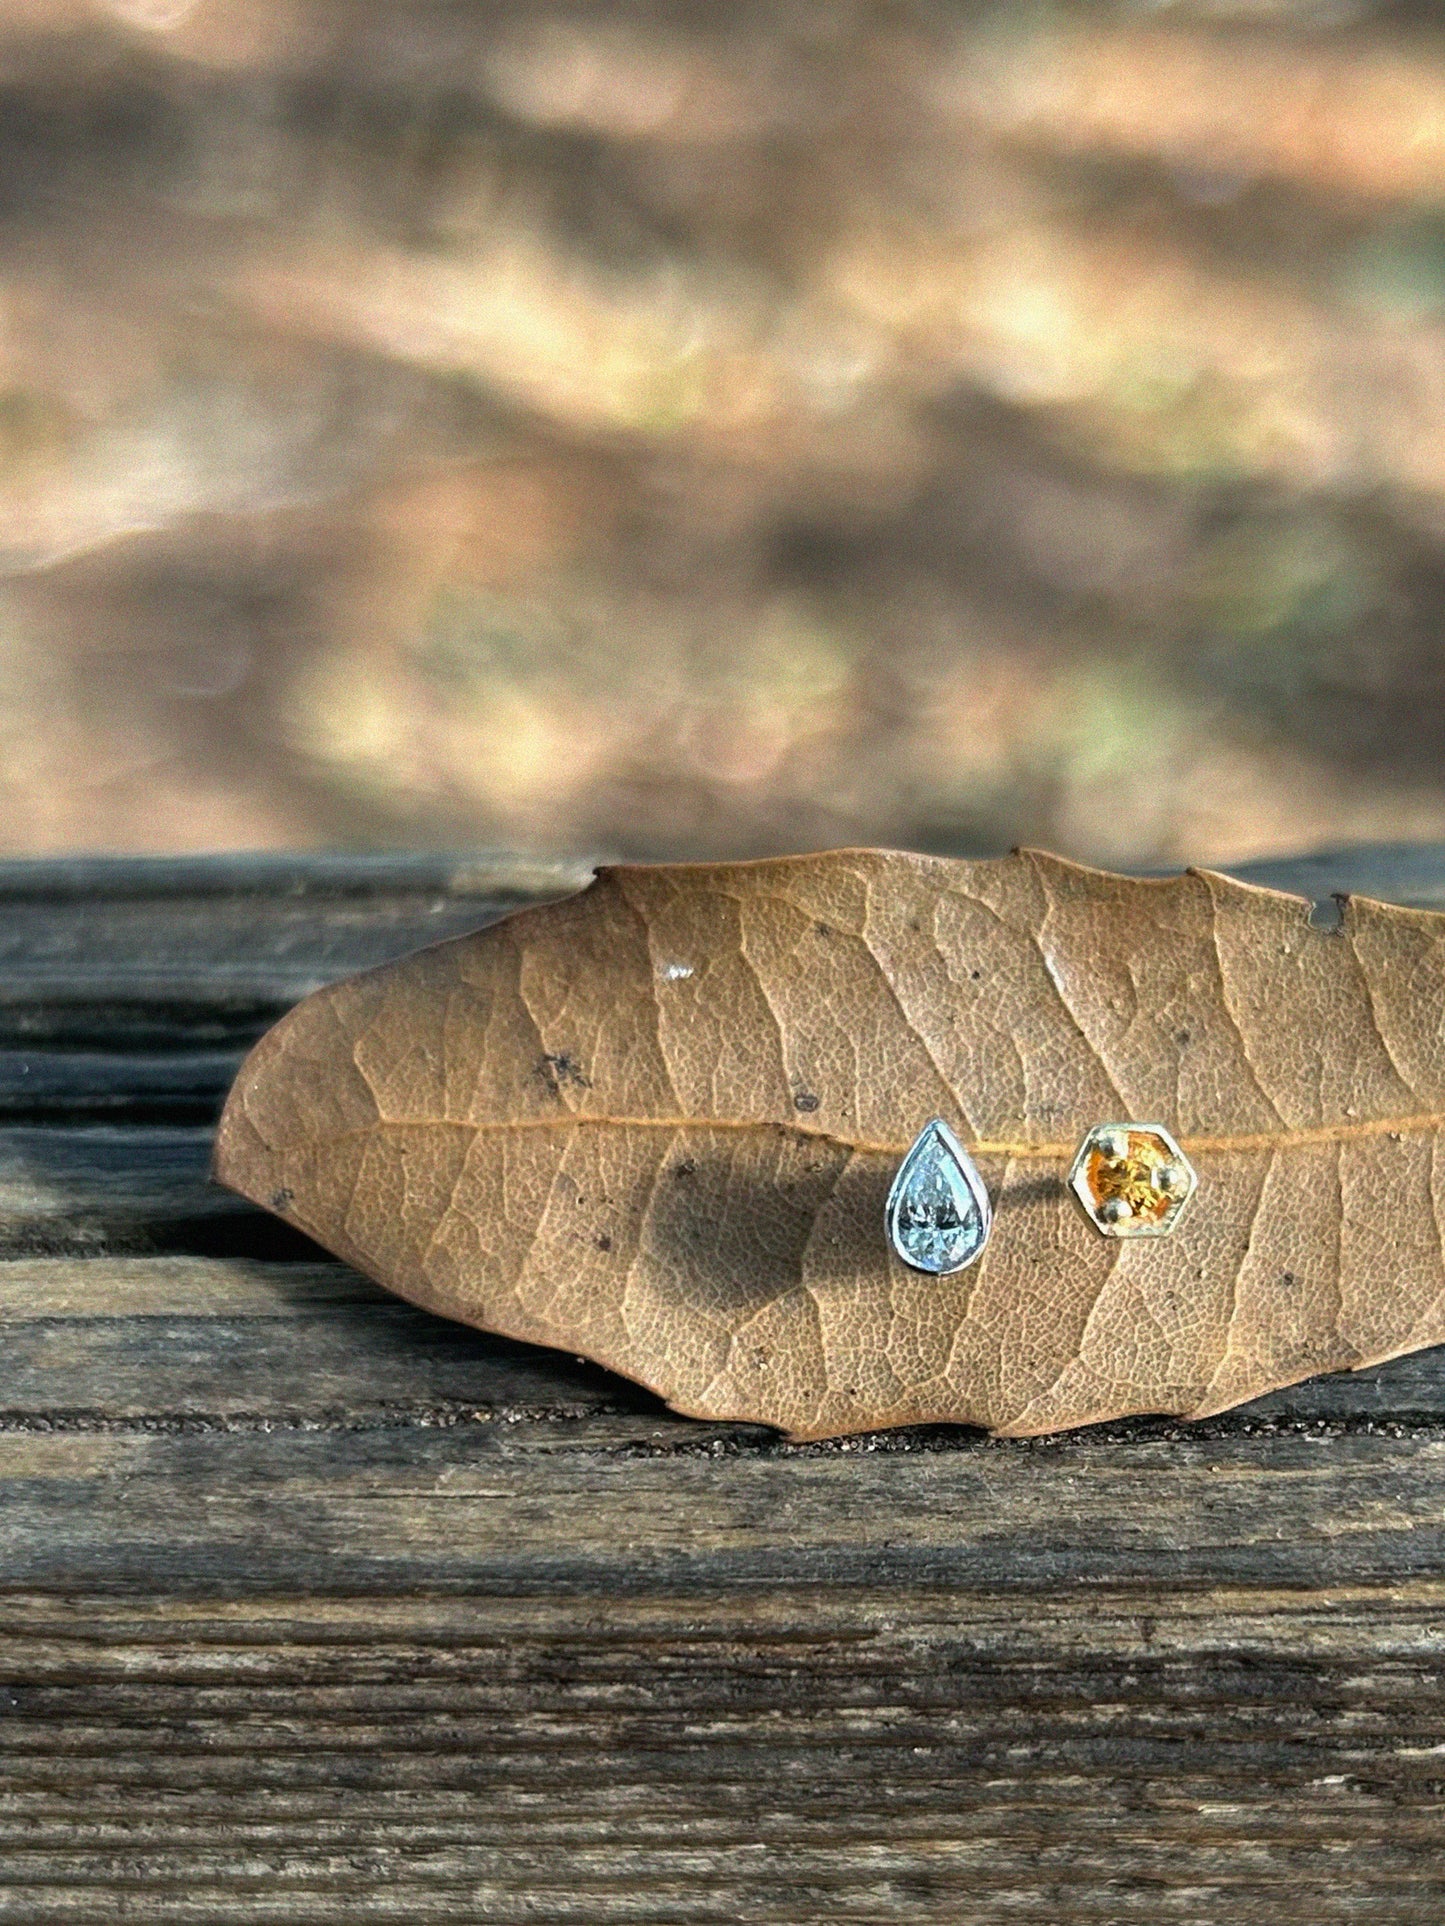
1132	1179
938	1216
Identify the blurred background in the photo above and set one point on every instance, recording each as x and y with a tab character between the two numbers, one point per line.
703	429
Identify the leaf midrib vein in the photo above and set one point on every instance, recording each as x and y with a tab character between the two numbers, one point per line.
1020	1148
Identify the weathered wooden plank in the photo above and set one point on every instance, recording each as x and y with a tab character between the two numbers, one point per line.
601	1505
75	1086
187	1341
122	1187
404	1623
161	955
192	1343
195	954
855	1755
138	984
135	1172
197	1341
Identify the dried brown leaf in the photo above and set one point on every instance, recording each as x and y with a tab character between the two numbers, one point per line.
656	1123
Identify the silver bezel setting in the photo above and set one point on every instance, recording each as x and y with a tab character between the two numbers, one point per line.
936	1127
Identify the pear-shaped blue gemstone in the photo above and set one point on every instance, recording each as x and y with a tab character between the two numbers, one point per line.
938	1215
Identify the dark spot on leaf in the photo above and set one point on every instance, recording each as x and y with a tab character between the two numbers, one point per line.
685	1168
1181	1036
281	1199
805	1100
975	975
604	1242
562	1068
822	929
1287	1278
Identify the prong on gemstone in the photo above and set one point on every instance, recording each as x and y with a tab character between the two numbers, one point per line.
1114	1210
1169	1178
1112	1145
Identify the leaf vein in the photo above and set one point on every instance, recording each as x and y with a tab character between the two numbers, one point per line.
1222	978
1041	1151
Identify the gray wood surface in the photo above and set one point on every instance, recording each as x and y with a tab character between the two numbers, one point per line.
314	1608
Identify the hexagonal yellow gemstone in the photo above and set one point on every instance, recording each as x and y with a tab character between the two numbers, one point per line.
1133	1180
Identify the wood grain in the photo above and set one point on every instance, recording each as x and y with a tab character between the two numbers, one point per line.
314	1608
859	1754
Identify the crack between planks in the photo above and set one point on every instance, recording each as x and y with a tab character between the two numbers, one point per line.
729	1441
